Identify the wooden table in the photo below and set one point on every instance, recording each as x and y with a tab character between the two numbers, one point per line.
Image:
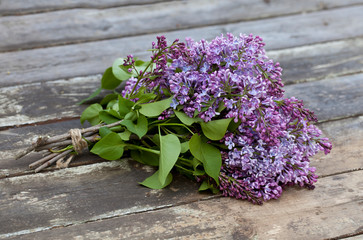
51	57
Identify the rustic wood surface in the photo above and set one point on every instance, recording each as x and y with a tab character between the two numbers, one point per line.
52	55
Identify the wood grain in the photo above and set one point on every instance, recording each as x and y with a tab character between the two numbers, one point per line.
225	218
305	63
17	7
41	102
332	98
79	25
15	140
86	193
344	134
319	61
52	55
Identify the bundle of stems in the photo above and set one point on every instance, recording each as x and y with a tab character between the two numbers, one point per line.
57	148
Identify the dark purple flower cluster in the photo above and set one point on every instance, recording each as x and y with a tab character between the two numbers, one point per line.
231	77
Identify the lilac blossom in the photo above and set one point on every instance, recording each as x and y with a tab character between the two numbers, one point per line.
231	77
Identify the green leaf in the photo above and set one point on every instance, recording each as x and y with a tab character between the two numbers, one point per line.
169	153
155	108
131	116
141	66
204	186
106	117
109	81
146	97
124	106
139	128
233	126
184	147
156	140
120	71
216	129
186	119
108	98
145	157
125	135
104	131
209	155
91	114
143	96
93	95
154	183
198	172
141	63
113	104
110	147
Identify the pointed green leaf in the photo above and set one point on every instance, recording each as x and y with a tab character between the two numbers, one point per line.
233	126
120	71
139	128
109	81
145	157
209	155
204	186
125	135
186	119
107	117
216	129
108	98
91	114
110	147
93	95
184	147
124	106
154	109
154	183
169	153
104	131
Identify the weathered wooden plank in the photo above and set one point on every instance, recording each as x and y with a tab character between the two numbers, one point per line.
299	213
357	237
16	7
331	98
318	61
304	63
346	155
15	140
38	102
70	26
346	136
86	193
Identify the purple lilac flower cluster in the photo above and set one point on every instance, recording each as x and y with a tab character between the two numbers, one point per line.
231	77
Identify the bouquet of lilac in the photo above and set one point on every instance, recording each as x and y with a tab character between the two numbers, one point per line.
213	111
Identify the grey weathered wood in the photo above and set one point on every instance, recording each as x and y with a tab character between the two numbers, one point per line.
15	140
12	7
346	155
346	136
318	61
300	64
332	209
330	99
87	193
40	102
71	26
